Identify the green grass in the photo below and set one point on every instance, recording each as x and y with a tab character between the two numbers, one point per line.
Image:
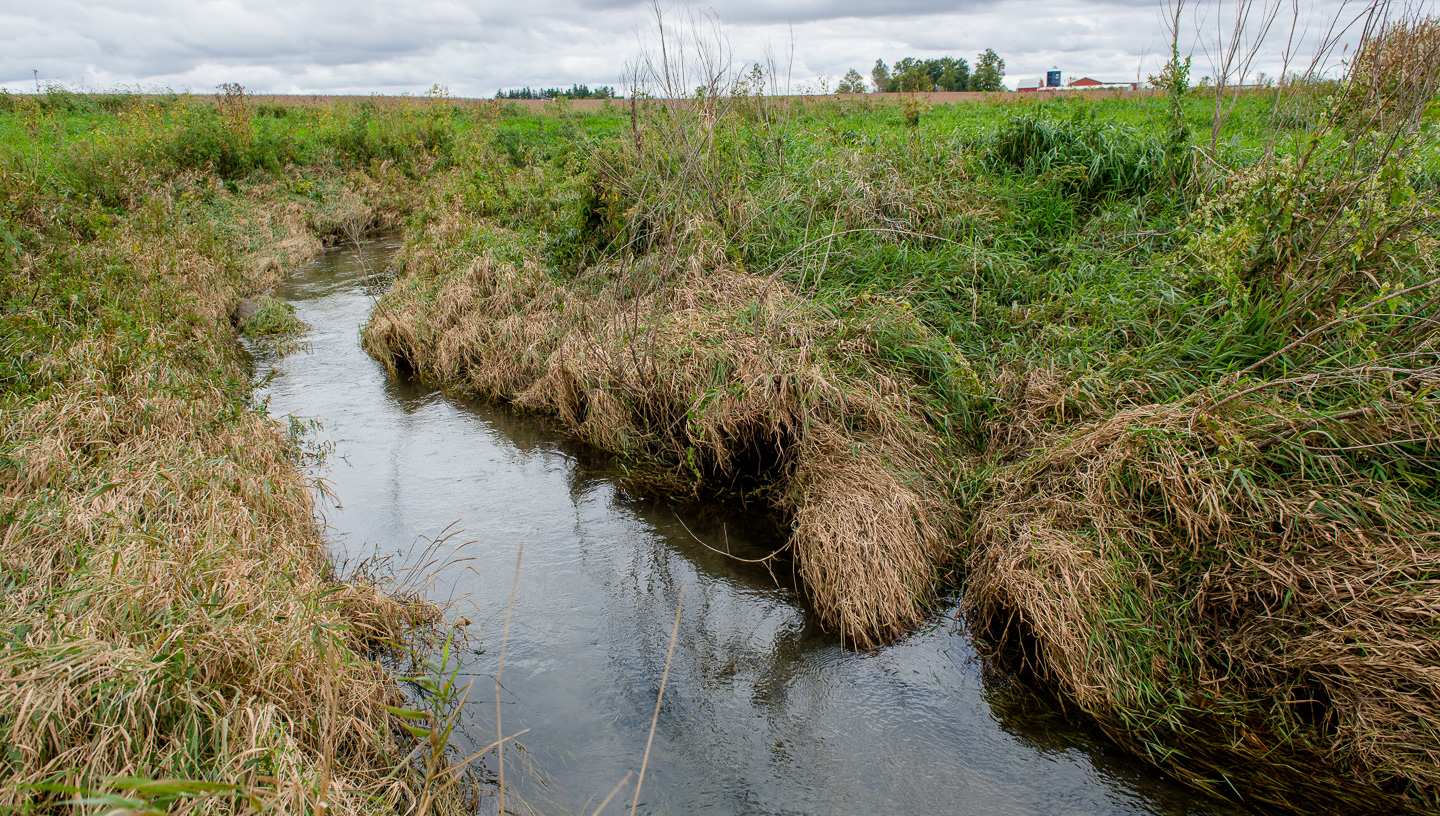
273	318
1161	381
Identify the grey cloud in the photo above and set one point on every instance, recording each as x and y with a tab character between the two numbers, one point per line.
476	46
809	11
806	11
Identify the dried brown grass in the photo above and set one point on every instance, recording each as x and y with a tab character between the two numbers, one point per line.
174	636
1242	582
1247	604
1396	72
714	372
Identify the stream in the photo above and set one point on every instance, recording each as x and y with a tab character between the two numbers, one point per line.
764	712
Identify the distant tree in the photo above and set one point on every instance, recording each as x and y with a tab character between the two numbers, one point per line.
851	83
913	74
576	91
989	69
910	74
880	75
948	73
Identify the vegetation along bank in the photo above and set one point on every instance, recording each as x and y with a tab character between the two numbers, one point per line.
172	633
1155	387
1152	379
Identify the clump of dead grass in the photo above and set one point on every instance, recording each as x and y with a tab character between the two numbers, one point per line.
1240	580
1396	67
1247	600
717	373
660	345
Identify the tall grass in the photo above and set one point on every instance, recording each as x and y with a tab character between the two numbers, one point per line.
1087	160
1170	413
174	636
1248	536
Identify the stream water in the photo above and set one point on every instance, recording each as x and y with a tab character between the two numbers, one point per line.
764	713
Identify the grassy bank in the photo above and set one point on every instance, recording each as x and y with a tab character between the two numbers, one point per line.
173	636
1163	402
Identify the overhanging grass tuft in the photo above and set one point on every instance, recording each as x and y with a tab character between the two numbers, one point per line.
713	369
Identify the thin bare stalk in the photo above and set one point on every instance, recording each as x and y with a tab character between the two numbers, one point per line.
623	781
505	639
659	698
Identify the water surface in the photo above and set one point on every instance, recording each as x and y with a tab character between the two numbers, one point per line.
764	713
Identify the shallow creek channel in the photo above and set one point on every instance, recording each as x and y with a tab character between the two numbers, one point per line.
764	713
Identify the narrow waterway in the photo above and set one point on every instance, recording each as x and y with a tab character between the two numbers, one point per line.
763	714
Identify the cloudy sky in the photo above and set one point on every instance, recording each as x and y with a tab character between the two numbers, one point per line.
477	46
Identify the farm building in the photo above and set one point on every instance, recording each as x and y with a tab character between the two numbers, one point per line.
1081	84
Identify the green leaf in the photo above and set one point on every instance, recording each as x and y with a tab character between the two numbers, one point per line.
170	786
407	713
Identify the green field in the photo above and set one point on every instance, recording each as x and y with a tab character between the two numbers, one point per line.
1160	404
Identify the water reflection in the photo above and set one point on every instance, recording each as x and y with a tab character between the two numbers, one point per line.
764	713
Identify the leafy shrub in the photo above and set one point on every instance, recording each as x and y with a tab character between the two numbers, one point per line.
912	108
203	142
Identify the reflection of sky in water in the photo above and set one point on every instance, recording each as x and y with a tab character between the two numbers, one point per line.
763	713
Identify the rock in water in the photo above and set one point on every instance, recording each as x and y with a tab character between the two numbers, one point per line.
244	309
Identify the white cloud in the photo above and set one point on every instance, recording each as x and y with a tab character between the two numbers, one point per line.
328	46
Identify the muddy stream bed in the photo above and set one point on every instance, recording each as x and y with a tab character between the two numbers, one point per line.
764	712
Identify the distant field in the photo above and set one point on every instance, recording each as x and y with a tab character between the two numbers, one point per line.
933	97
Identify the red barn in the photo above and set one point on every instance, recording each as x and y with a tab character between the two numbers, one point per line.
1086	82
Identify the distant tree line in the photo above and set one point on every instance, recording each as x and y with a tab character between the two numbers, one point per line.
942	74
574	92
